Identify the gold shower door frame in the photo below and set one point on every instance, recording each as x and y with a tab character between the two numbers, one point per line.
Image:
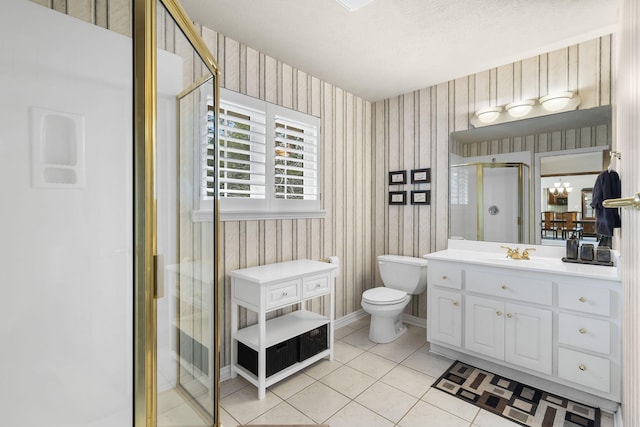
480	192
144	203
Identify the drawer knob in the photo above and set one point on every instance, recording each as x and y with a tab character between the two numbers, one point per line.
456	303
498	313
284	294
582	331
318	285
509	315
582	367
504	287
582	299
444	277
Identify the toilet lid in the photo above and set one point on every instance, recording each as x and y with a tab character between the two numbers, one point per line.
382	295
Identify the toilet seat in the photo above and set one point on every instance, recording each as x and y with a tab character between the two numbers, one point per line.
383	296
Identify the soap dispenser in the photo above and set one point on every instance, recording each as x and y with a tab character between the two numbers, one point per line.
572	247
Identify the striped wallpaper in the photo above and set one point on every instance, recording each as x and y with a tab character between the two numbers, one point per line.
363	141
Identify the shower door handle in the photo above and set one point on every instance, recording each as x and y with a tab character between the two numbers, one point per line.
158	276
623	203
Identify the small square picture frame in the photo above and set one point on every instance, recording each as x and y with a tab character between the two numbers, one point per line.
397	197
421	176
421	197
397	177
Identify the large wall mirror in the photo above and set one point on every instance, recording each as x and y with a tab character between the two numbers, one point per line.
526	181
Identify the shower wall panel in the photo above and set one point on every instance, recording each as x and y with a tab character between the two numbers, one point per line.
66	251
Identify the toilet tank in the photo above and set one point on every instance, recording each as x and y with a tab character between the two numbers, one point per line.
404	273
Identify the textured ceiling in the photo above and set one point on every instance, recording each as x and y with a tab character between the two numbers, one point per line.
390	47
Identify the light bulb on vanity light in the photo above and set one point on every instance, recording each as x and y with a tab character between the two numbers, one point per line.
520	108
556	102
488	115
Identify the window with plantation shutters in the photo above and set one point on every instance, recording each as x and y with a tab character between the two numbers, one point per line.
296	160
241	152
268	160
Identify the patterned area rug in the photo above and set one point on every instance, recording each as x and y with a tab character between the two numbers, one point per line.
515	401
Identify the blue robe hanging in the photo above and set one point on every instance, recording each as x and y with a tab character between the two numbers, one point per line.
607	186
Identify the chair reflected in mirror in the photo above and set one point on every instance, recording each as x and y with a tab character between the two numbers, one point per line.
549	224
571	224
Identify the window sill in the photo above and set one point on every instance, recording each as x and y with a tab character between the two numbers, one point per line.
207	215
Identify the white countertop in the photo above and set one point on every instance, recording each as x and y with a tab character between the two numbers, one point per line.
265	274
544	259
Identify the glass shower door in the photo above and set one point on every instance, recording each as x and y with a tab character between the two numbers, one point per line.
187	359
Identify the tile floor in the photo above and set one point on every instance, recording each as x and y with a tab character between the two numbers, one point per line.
367	384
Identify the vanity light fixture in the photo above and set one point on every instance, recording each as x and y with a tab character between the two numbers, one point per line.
488	115
528	108
556	102
520	108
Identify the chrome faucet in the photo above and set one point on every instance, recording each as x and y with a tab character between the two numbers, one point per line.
515	253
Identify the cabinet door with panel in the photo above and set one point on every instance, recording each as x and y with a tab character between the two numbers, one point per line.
515	333
528	337
445	309
484	326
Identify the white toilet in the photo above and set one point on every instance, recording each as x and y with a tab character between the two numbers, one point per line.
402	276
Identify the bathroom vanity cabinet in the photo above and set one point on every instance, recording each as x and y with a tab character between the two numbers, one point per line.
550	324
280	344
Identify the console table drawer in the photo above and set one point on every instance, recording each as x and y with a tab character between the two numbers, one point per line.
316	285
539	291
283	293
590	371
582	332
584	298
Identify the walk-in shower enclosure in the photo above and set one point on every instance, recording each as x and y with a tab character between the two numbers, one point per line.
489	201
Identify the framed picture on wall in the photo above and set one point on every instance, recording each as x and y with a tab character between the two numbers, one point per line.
421	176
397	197
421	197
397	177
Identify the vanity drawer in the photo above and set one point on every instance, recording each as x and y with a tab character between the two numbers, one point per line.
444	274
283	293
587	370
582	332
522	288
316	285
584	298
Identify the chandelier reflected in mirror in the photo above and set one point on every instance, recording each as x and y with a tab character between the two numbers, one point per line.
561	188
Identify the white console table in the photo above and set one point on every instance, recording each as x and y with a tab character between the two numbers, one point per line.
271	287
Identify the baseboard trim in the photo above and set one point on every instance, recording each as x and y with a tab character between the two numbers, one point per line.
349	318
414	320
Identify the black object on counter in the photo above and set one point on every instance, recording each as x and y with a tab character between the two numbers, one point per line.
572	247
586	252
603	254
